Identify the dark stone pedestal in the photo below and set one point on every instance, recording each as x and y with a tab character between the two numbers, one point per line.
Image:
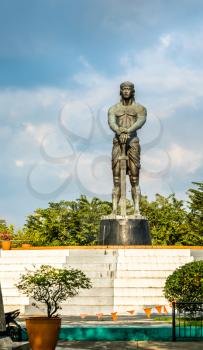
124	232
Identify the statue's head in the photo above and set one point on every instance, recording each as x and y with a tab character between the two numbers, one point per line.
127	90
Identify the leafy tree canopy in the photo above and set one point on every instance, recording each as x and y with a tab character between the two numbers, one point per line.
170	222
77	222
67	222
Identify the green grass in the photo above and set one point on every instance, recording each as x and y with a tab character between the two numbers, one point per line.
183	322
167	319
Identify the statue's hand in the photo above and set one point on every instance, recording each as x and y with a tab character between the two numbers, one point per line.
123	137
123	130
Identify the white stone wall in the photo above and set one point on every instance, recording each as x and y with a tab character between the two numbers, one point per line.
123	279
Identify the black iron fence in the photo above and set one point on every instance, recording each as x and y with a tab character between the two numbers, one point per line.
187	321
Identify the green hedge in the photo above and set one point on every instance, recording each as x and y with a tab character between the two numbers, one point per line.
185	284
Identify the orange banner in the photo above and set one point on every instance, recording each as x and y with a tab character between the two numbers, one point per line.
131	312
158	308
114	316
165	310
148	310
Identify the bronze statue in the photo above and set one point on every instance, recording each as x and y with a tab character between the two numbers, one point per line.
125	118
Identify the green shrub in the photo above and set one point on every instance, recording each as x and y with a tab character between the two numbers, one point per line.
184	284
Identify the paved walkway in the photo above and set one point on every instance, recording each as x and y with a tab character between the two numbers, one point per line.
122	345
134	320
128	345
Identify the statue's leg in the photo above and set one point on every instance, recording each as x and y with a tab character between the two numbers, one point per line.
136	194
116	194
134	169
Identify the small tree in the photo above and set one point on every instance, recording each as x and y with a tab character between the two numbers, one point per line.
196	209
51	286
185	283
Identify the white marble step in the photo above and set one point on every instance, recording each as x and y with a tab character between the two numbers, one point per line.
138	292
197	254
145	300
93	292
92	274
139	282
120	292
143	274
34	252
153	259
35	260
131	300
154	252
4	275
11	307
22	267
89	300
18	300
11	292
121	278
94	266
86	260
139	266
129	259
92	252
104	282
74	310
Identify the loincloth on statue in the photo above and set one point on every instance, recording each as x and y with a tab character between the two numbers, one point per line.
132	151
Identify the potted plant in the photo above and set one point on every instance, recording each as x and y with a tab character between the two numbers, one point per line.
5	237
50	286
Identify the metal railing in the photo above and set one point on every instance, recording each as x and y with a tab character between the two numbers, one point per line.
187	321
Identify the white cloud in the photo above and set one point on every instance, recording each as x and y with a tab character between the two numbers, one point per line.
19	162
184	159
166	40
38	131
165	82
155	163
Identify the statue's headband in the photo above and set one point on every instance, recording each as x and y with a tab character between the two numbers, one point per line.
128	84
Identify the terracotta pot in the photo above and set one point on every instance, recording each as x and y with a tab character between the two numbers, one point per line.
26	245
6	245
43	332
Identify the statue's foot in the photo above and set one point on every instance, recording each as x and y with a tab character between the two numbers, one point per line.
137	212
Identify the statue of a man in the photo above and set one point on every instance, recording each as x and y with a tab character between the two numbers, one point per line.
125	118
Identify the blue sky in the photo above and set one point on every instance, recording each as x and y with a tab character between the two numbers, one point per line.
61	63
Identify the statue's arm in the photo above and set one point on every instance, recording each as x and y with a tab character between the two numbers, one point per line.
112	121
141	119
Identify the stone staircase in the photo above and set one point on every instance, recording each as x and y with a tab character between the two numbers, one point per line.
123	279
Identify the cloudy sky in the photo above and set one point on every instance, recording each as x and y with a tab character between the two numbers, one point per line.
61	63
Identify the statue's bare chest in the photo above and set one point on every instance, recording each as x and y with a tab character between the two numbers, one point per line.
126	116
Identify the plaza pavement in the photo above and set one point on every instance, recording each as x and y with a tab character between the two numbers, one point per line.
128	345
123	345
